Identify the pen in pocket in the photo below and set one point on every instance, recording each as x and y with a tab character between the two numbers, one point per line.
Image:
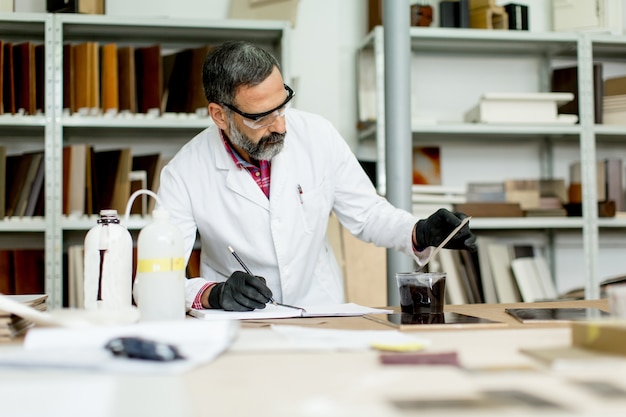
300	194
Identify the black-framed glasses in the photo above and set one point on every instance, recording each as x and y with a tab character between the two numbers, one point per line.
266	118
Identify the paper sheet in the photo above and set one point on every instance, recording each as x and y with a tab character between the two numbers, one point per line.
199	342
306	338
276	312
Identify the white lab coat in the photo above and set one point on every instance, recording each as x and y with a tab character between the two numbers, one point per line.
283	238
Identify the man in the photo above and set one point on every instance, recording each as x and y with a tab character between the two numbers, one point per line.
263	181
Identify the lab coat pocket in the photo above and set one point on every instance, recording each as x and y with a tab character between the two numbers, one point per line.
312	205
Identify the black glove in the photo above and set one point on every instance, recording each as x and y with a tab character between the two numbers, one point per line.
240	292
433	230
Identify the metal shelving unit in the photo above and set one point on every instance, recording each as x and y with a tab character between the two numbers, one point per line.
56	128
581	48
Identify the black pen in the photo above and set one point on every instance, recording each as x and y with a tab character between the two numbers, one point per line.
300	194
245	267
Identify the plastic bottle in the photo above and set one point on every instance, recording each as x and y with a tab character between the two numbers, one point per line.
108	264
160	279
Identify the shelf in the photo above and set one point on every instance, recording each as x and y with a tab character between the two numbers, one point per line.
23	224
608	47
488	42
472	131
610	132
169	32
148	127
16	27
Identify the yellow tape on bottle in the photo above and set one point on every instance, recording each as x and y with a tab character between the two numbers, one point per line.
161	265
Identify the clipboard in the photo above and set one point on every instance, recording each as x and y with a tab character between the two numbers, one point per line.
447	320
551	315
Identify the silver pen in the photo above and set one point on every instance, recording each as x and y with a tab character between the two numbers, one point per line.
245	267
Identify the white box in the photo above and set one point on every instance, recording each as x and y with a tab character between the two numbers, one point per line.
521	108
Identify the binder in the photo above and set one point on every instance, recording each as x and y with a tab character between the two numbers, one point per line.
69	77
24	77
185	92
127	84
149	76
109	80
40	77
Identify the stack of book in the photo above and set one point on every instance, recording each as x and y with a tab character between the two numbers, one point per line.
515	198
522	108
614	101
12	325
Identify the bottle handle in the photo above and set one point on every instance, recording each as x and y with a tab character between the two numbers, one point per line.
132	198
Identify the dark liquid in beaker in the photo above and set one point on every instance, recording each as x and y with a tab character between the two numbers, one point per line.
421	299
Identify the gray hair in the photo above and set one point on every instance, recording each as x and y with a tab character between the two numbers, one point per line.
234	64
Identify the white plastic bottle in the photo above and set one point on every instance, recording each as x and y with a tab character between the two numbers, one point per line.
160	279
108	265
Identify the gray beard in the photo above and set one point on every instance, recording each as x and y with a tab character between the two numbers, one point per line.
268	147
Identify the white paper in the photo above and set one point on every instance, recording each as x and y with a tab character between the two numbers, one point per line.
272	311
198	342
334	339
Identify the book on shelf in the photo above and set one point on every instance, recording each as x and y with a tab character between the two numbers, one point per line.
565	80
183	90
486	276
469	262
449	263
109	80
533	278
8	79
35	162
36	191
75	276
522	108
74	178
18	165
518	16
40	78
7	284
25	77
3	180
69	77
87	77
151	164
454	13
127	93
525	192
500	262
29	271
112	179
149	78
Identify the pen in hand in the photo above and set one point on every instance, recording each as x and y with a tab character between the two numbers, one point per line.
245	267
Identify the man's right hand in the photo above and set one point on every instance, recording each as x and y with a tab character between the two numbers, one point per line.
240	292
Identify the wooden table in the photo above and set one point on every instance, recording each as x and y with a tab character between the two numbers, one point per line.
260	375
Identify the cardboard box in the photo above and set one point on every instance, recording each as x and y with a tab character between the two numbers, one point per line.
75	6
605	336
